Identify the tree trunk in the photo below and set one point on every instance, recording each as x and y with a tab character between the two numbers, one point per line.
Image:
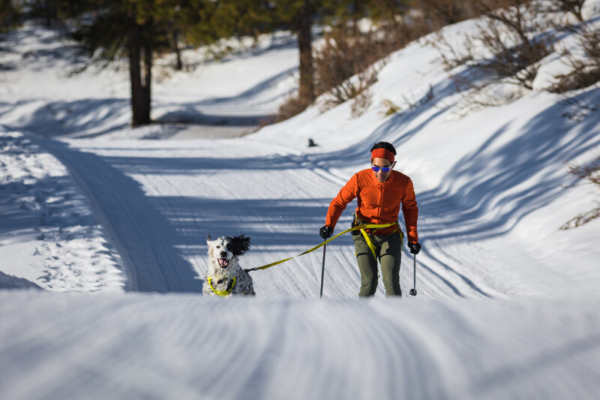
148	49
51	12
179	65
303	25
140	90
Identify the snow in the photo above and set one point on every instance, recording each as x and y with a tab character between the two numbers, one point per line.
49	236
186	346
506	306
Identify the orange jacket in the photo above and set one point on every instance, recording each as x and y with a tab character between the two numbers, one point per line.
378	203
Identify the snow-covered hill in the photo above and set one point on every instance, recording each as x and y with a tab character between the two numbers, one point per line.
507	301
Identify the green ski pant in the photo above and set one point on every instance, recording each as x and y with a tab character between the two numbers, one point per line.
389	252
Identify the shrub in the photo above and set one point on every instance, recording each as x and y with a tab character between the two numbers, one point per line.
514	38
573	7
515	43
584	71
293	106
347	64
451	57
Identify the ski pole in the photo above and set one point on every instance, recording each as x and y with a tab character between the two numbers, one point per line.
413	291
323	270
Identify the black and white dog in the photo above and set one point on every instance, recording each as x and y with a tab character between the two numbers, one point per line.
224	276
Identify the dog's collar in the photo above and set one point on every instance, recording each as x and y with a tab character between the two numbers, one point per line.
223	293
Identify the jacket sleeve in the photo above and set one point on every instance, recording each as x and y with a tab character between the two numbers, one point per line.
411	212
338	205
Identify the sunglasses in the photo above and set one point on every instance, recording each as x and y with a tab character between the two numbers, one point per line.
383	169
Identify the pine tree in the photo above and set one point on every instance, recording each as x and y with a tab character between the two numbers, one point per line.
298	15
141	29
9	16
307	69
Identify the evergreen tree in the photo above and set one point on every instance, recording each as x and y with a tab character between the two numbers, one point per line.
121	28
298	15
9	16
138	30
307	69
109	30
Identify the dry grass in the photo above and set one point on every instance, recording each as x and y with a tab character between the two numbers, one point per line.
293	106
450	56
390	108
346	65
591	174
349	61
515	42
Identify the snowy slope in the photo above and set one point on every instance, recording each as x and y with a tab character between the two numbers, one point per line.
506	305
189	347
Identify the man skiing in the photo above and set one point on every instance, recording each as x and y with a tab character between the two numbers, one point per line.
379	192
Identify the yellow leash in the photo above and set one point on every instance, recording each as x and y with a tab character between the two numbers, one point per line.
355	228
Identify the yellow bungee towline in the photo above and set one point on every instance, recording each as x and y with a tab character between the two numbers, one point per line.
355	228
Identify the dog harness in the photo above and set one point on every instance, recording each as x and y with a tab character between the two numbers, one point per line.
223	293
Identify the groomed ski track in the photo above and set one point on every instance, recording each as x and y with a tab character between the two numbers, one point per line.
143	237
159	201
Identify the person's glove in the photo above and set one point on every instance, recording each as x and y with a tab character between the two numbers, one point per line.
415	248
326	232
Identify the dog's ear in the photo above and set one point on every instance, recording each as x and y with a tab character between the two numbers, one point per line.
240	244
208	239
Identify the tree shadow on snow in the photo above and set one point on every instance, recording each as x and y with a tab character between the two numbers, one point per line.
89	118
503	183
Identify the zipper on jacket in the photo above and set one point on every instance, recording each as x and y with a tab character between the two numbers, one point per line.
380	205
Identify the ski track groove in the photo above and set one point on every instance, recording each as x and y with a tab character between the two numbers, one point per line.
142	236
